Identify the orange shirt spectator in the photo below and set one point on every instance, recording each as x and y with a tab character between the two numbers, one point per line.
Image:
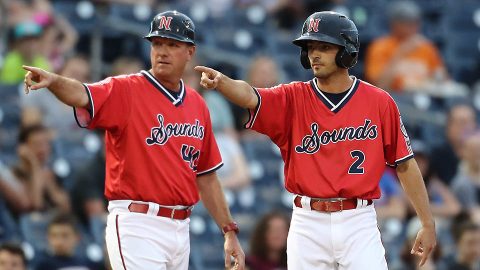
415	61
404	59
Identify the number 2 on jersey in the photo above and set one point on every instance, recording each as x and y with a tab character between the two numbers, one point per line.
359	158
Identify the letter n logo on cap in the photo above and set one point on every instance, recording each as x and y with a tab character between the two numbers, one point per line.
165	23
313	25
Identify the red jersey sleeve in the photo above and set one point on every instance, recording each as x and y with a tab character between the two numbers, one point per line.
210	159
109	104
396	142
270	115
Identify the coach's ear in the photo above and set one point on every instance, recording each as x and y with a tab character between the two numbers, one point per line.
191	51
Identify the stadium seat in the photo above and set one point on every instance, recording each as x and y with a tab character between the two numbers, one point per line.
81	14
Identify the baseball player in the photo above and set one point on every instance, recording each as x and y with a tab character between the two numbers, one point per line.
161	155
335	133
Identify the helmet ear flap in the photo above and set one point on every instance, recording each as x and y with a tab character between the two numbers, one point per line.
346	57
304	58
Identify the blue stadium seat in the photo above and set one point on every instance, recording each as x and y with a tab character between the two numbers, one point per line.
9	120
461	17
69	9
462	55
370	22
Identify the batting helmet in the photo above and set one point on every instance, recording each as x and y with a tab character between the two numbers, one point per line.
331	27
174	25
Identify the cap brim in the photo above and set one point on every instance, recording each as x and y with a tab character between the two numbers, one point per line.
171	36
303	39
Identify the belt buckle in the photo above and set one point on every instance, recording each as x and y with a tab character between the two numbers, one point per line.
327	205
173	213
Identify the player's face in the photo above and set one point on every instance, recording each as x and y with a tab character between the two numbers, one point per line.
322	58
169	57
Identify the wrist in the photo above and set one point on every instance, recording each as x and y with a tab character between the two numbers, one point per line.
230	228
430	224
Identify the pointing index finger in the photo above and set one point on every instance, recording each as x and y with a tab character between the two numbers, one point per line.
205	69
32	69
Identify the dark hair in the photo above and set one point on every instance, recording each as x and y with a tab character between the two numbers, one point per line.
64	219
14	249
258	243
459	230
26	132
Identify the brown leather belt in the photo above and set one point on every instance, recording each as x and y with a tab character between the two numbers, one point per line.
326	205
162	211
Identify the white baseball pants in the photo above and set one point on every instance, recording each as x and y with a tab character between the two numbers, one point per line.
349	239
137	241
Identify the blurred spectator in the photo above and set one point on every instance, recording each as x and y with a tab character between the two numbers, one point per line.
391	204
391	211
18	11
466	183
268	243
33	170
41	107
77	67
234	174
63	239
404	60
263	72
12	191
220	112
287	14
126	65
443	203
467	239
58	39
88	200
12	257
461	120
25	51
12	202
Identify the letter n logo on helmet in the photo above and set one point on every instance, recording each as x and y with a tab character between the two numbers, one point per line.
165	23
313	25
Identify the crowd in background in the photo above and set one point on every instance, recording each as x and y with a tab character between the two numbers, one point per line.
426	53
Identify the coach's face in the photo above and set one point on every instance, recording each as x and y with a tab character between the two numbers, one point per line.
169	57
322	58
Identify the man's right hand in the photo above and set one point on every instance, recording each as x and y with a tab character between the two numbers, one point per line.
210	77
37	78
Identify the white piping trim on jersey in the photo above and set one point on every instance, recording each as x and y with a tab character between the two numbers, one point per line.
257	110
334	107
182	88
400	160
91	100
212	169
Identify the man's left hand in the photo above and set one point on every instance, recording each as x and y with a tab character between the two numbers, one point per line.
232	248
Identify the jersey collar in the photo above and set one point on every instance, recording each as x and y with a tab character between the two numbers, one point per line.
335	108
164	91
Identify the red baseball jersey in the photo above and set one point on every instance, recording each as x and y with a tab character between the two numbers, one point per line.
156	143
332	150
